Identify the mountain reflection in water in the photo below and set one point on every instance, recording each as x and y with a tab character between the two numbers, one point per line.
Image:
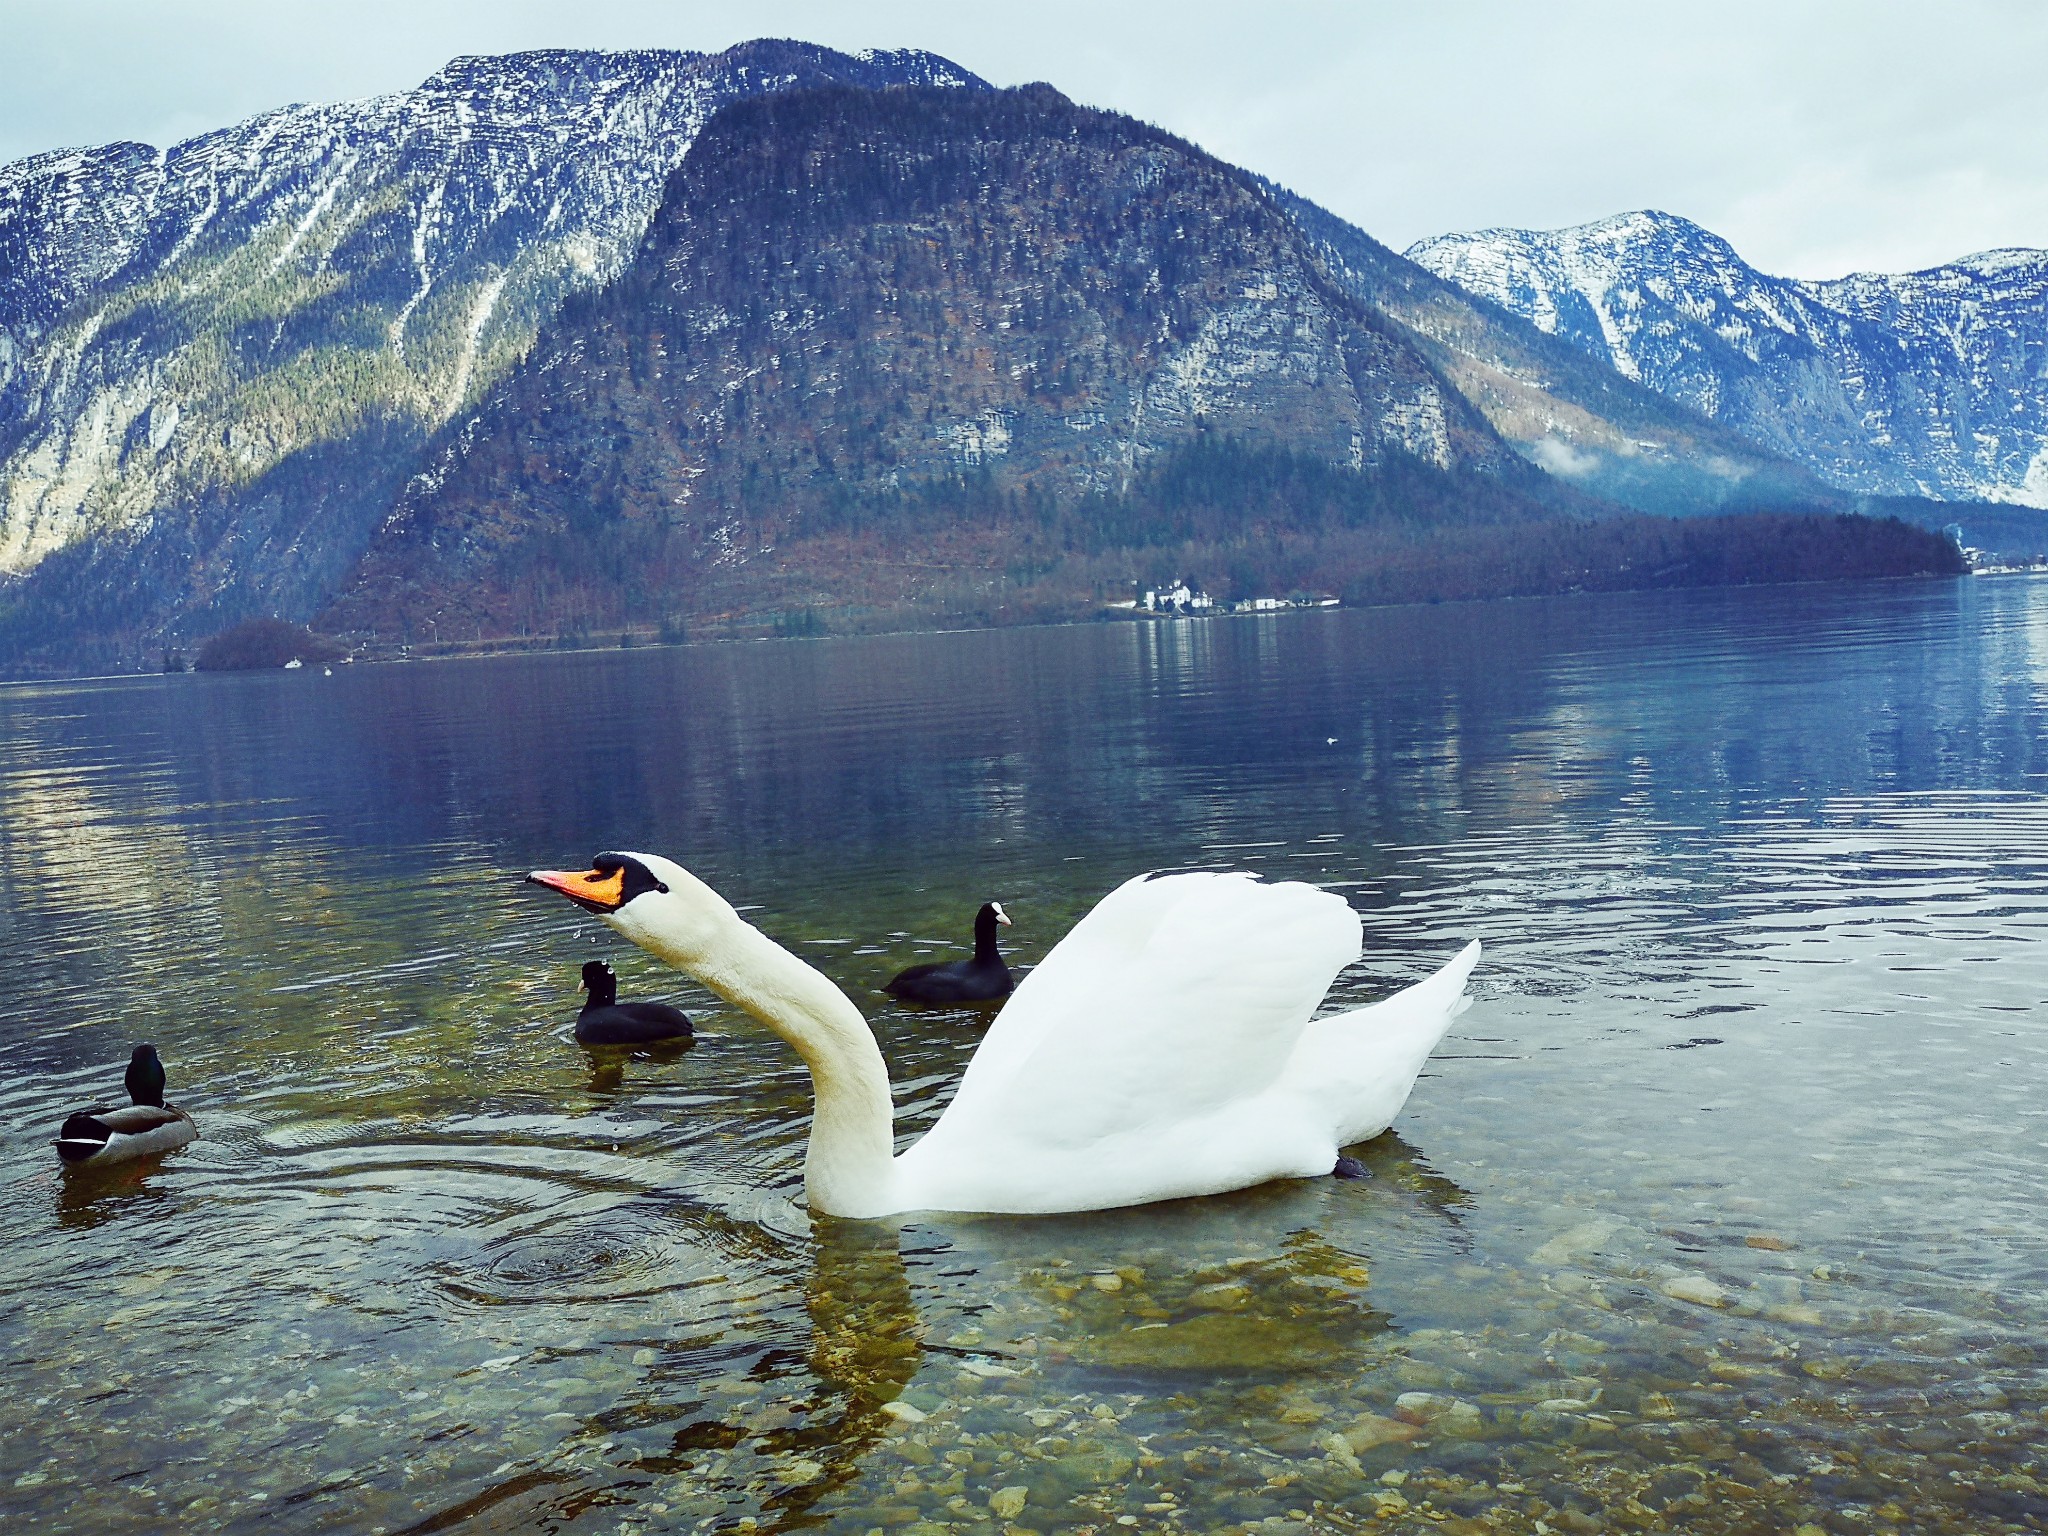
431	1266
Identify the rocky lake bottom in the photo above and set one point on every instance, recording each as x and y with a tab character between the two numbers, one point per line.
1717	1212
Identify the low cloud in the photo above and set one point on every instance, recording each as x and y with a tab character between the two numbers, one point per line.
1561	458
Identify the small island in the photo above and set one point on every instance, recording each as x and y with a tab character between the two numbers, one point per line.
261	644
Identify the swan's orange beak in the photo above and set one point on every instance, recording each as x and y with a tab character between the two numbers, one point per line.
590	890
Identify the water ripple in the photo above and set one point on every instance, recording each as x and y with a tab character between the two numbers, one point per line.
1730	1173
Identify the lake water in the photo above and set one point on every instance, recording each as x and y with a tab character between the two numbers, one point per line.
1720	1210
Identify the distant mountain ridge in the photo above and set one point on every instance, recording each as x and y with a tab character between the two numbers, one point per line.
218	362
222	366
1568	413
1928	383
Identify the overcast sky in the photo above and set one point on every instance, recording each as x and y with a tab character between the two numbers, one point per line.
1818	137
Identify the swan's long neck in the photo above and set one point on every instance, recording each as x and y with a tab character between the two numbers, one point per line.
848	1169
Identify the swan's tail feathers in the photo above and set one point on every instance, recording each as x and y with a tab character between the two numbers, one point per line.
1446	989
1430	1004
1442	996
1359	1067
1459	971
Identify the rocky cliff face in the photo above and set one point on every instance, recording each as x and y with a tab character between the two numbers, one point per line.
218	362
848	296
1931	384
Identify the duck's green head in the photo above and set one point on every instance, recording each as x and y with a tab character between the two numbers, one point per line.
145	1077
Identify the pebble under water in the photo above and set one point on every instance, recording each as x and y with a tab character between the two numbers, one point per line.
1718	1212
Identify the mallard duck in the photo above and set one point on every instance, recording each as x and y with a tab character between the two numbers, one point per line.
1166	1047
982	979
607	1021
146	1126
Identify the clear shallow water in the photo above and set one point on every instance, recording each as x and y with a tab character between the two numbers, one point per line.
1719	1211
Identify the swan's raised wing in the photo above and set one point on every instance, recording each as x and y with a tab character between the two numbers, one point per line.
1174	996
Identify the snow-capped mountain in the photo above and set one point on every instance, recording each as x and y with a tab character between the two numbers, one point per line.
246	338
1927	383
223	364
1569	413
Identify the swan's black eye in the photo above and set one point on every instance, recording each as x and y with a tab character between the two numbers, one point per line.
639	878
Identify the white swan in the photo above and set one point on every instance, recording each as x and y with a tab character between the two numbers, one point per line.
1164	1048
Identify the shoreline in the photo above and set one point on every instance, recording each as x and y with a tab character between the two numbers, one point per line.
648	639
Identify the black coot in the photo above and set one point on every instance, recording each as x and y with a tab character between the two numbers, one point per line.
607	1021
980	980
